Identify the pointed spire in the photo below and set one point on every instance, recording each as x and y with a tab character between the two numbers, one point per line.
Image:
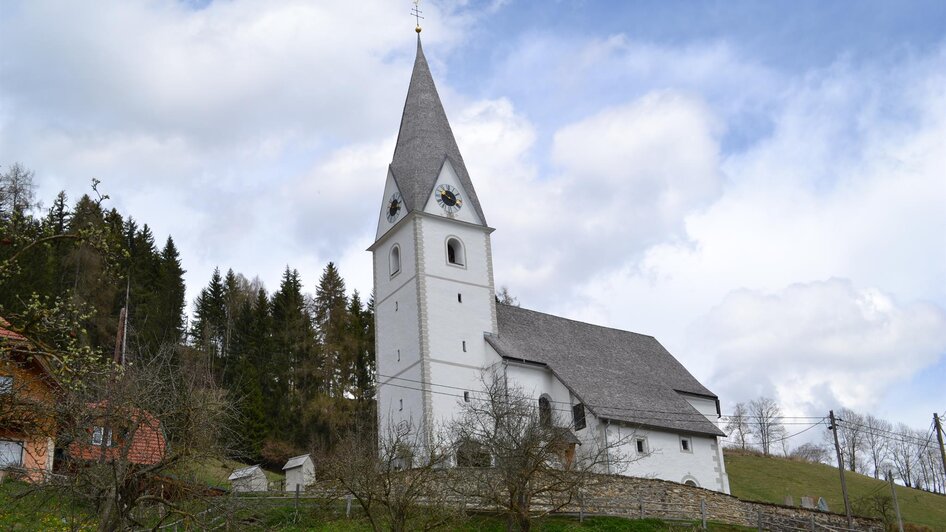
425	141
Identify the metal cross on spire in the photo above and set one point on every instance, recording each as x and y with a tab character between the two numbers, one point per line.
416	12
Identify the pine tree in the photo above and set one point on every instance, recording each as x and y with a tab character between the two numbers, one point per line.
171	294
331	321
293	346
248	346
209	320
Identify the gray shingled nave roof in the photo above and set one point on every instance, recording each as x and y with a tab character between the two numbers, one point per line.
425	141
618	375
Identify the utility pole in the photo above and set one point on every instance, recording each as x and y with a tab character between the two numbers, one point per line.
896	505
837	447
939	436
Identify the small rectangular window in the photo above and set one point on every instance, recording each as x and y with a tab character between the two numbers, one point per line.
401	407
466	397
11	453
6	384
459	298
685	445
578	416
641	445
98	433
464	346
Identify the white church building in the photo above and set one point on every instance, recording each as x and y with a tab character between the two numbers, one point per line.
439	325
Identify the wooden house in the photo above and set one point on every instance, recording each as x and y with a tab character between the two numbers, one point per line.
27	408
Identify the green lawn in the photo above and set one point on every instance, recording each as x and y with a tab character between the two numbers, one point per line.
771	479
24	509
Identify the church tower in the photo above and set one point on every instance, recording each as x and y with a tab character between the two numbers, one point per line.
433	272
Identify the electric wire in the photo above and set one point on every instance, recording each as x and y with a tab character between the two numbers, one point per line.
795	419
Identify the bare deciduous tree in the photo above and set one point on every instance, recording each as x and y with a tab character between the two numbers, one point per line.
903	455
513	457
131	432
851	436
876	442
811	452
396	479
738	426
17	192
765	422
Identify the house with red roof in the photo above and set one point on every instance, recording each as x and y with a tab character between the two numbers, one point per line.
121	433
27	405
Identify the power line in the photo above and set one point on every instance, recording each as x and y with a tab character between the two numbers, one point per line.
676	415
794	419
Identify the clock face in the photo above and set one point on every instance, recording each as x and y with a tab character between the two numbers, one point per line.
394	207
449	198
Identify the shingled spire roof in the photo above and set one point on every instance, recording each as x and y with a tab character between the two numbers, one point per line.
425	141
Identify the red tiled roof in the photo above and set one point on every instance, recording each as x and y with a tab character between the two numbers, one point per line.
7	333
148	445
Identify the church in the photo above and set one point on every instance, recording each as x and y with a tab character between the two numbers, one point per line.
438	324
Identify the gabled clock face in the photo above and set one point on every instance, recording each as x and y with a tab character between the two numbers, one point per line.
394	207
449	198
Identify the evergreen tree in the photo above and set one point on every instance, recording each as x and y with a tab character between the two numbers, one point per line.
331	321
209	321
249	346
171	294
293	343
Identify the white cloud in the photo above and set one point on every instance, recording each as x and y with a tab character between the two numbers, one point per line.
819	345
626	177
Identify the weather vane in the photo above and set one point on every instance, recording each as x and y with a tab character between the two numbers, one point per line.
416	12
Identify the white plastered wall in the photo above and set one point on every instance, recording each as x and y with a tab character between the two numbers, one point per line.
397	331
460	308
665	459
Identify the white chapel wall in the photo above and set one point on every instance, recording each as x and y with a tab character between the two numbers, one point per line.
665	459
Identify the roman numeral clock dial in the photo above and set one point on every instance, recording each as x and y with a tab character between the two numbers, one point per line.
449	198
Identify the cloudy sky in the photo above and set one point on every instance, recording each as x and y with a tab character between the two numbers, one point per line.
761	186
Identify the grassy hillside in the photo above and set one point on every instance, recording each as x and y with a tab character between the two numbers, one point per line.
215	472
771	479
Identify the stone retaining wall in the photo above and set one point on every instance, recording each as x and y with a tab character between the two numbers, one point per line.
618	495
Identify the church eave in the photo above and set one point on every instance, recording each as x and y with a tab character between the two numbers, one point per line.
422	214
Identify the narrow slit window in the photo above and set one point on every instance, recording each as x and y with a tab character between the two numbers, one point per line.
395	306
464	346
459	298
401	405
641	445
466	397
545	411
398	355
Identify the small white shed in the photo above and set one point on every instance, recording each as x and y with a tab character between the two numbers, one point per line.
300	471
248	479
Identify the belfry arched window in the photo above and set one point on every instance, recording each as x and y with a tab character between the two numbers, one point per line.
545	411
395	259
455	254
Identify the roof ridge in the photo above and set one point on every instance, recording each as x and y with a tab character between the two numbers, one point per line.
581	322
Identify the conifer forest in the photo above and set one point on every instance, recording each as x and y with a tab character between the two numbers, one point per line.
295	361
